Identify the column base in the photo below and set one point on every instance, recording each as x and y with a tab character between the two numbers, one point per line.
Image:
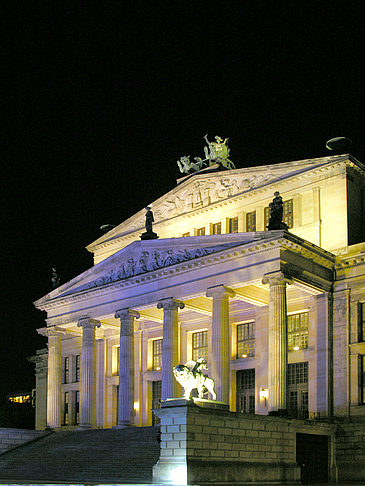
85	427
123	426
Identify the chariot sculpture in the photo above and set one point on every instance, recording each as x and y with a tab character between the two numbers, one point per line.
191	377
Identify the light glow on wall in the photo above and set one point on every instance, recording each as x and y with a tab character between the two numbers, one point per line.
178	475
264	395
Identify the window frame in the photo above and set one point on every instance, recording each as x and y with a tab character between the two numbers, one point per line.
157	356
250	340
195	349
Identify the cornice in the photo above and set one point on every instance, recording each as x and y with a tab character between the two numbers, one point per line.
279	240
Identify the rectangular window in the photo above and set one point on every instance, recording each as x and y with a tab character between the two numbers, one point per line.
217	229
246	340
65	409
200	345
157	354
288	212
156	399
77	368
246	391
77	407
67	370
298	373
186	234
266	217
233	225
298	331
200	232
361	321
251	221
362	379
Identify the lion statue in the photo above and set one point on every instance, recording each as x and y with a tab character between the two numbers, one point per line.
190	377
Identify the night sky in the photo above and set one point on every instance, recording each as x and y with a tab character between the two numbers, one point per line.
102	99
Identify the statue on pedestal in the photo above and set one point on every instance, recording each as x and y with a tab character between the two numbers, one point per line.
191	377
276	209
149	234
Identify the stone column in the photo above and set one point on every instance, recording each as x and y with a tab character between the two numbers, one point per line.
170	345
54	378
88	379
278	341
126	367
219	362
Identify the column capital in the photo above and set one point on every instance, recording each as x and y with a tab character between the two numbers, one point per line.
88	323
276	278
220	291
170	304
125	314
51	331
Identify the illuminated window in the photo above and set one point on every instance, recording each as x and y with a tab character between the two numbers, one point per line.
233	225
200	345
157	354
77	407
65	409
77	368
200	232
67	370
246	340
186	234
116	352
298	373
216	228
362	379
361	320
298	331
288	212
251	221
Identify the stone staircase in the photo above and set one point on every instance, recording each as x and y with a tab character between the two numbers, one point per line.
109	455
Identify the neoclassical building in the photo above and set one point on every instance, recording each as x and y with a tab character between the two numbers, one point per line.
279	315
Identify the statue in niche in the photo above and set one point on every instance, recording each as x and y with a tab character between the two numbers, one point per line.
190	377
55	279
276	209
149	234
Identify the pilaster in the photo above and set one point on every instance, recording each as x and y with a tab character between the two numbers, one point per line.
170	345
220	340
126	367
278	341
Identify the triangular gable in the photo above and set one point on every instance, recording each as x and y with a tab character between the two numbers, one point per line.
141	257
203	189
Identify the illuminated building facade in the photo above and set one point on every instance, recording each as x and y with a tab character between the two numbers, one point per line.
279	315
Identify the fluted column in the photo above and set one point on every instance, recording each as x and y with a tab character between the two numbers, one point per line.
170	345
54	377
126	367
88	375
278	341
219	362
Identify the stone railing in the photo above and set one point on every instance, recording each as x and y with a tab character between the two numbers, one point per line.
10	438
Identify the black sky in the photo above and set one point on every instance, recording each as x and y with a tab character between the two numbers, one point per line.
102	98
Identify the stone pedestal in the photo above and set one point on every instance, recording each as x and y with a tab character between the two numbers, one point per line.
126	367
278	341
88	378
219	363
170	346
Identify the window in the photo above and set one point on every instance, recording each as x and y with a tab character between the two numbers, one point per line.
77	407
288	212
361	321
298	331
217	229
298	390
362	379
77	368
200	232
67	370
266	217
200	345
186	234
156	399
233	225
245	340
157	354
246	391
65	409
251	221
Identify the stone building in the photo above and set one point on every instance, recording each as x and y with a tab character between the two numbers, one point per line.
279	315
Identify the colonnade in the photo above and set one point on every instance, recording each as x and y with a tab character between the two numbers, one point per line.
219	359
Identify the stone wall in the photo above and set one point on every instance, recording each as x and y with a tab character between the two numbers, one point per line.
10	438
350	452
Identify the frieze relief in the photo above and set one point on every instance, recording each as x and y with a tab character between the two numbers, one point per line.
147	261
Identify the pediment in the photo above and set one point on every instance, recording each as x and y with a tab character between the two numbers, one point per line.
141	257
200	190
